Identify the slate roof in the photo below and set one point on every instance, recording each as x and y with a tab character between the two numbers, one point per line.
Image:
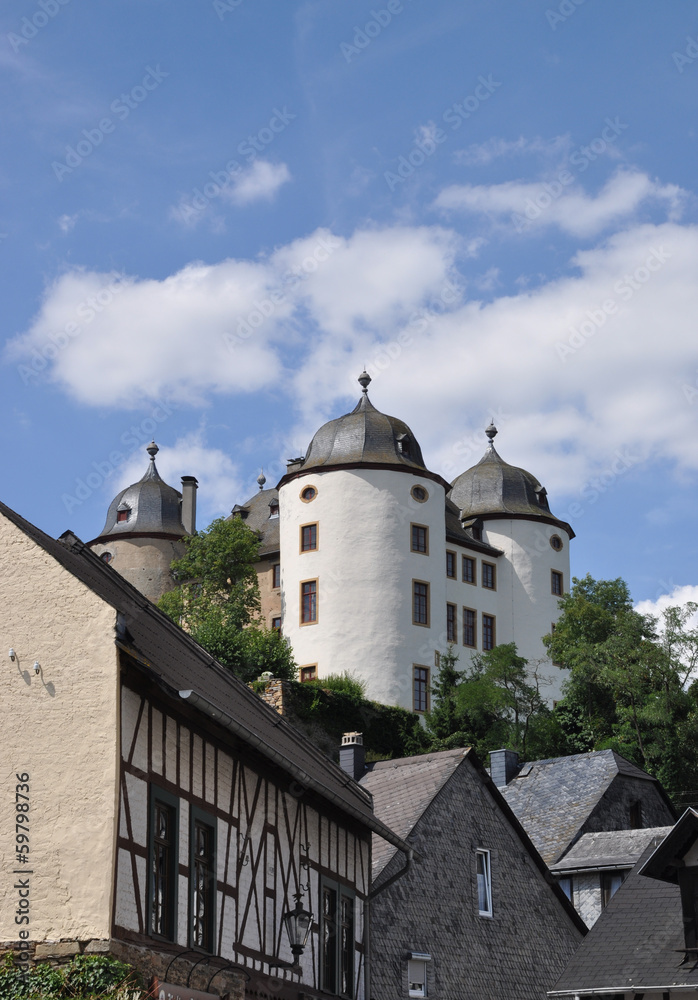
455	532
553	798
255	514
608	849
154	507
176	662
493	488
402	789
637	943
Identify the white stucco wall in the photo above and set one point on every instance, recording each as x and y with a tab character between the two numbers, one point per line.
365	568
61	728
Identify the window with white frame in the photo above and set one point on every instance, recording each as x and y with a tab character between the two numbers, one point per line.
484	884
417	974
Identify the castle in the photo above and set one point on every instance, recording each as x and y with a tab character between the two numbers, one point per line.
371	563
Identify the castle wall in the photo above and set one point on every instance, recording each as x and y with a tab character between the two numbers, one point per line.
144	562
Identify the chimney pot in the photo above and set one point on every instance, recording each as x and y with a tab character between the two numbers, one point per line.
189	488
352	755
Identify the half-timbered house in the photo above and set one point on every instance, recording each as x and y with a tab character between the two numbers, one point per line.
174	820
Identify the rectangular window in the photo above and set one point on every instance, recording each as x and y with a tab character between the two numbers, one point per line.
420	539
468	570
309	602
337	939
309	537
556	582
451	623
202	880
451	565
610	884
484	884
420	603
635	816
469	627
417	977
276	576
567	886
309	673
489	576
421	689
276	623
488	632
163	850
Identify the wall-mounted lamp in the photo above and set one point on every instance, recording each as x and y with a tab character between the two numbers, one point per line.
37	667
298	921
12	655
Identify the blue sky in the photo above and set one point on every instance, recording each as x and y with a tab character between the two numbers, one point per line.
213	215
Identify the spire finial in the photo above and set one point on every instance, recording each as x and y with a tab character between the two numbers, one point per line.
491	432
364	381
152	450
261	479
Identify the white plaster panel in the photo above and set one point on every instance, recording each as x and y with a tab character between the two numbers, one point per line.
225	778
365	568
137	791
183	832
130	707
156	741
198	766
140	752
325	842
170	769
184	753
182	910
210	773
126	911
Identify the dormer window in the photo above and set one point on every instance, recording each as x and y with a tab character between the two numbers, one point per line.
403	444
543	496
123	514
274	508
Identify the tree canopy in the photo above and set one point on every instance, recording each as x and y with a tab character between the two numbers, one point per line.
217	601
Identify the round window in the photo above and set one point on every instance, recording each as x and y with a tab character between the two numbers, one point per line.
419	494
106	557
556	542
308	493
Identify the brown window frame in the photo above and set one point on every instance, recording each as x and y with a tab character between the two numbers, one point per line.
304	670
473	612
424	685
425	529
275	575
302	549
473	562
276	628
493	567
421	583
301	609
451	622
452	558
556	575
493	619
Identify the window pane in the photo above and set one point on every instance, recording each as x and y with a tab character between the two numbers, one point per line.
329	939
420	613
309	605
419	538
421	688
162	871
488	632
468	570
451	565
203	893
309	537
484	888
346	947
451	625
488	576
469	627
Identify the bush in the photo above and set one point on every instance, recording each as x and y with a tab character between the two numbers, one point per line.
86	977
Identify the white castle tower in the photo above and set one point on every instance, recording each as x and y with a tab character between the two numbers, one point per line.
377	564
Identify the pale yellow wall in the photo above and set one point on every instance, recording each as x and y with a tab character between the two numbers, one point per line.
270	599
62	728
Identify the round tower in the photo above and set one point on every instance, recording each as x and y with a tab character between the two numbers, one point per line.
507	508
361	523
144	529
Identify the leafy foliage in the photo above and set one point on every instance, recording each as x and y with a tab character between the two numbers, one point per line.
217	601
86	977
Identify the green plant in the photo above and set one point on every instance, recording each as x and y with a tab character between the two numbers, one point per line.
85	977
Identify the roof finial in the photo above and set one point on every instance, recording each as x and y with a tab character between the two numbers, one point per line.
491	432
261	479
364	381
152	450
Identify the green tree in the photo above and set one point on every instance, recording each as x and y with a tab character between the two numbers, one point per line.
217	601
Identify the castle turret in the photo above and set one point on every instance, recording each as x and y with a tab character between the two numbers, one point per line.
144	529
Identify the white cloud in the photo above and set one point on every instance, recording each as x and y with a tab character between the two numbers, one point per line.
260	182
481	154
677	598
525	205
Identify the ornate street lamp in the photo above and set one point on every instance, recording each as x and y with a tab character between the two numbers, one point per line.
298	921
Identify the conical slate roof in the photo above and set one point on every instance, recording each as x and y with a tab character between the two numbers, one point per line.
150	506
493	488
364	436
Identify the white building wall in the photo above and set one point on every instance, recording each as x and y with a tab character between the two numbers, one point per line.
365	571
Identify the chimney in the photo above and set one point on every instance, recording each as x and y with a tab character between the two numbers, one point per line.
352	755
504	765
189	488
